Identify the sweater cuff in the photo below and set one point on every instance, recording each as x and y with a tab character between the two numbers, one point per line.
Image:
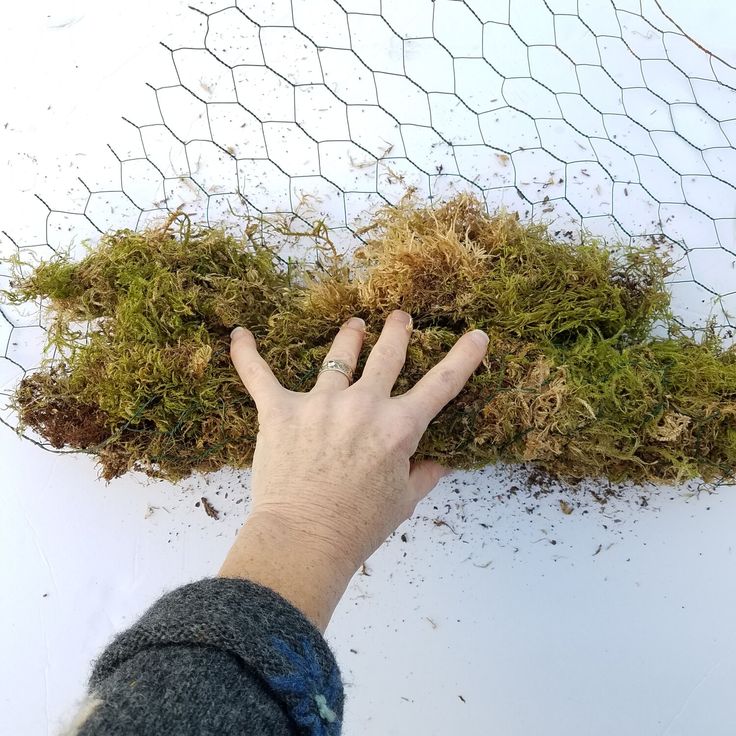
266	633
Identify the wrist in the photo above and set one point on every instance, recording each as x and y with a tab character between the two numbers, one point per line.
306	568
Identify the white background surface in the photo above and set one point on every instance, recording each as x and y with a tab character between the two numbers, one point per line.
623	625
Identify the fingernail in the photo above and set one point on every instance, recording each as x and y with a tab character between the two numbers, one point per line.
356	323
237	331
479	338
401	316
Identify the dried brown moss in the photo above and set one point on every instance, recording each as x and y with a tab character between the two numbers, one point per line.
573	380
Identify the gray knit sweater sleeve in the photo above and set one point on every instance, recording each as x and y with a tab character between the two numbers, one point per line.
221	657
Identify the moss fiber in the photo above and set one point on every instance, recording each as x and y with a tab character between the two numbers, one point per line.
574	380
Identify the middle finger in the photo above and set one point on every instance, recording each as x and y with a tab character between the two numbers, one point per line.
389	353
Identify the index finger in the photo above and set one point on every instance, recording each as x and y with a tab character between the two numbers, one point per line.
445	380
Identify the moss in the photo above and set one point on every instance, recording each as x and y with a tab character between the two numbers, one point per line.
573	380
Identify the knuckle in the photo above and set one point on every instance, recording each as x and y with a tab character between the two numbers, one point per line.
397	443
402	437
407	444
411	420
389	353
253	370
276	414
449	379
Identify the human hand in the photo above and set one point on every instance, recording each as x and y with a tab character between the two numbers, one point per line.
332	471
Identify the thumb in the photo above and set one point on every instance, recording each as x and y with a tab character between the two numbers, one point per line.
423	477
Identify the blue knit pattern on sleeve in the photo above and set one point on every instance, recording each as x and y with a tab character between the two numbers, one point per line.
309	692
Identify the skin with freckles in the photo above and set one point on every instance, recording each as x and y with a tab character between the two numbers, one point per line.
332	472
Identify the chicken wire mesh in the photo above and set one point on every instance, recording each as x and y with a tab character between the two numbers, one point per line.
589	115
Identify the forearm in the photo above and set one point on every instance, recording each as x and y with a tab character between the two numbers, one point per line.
215	657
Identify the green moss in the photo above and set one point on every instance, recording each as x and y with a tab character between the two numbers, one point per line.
573	380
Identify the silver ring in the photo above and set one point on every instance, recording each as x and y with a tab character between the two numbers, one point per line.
338	365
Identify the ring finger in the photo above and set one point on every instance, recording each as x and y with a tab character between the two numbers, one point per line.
345	349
